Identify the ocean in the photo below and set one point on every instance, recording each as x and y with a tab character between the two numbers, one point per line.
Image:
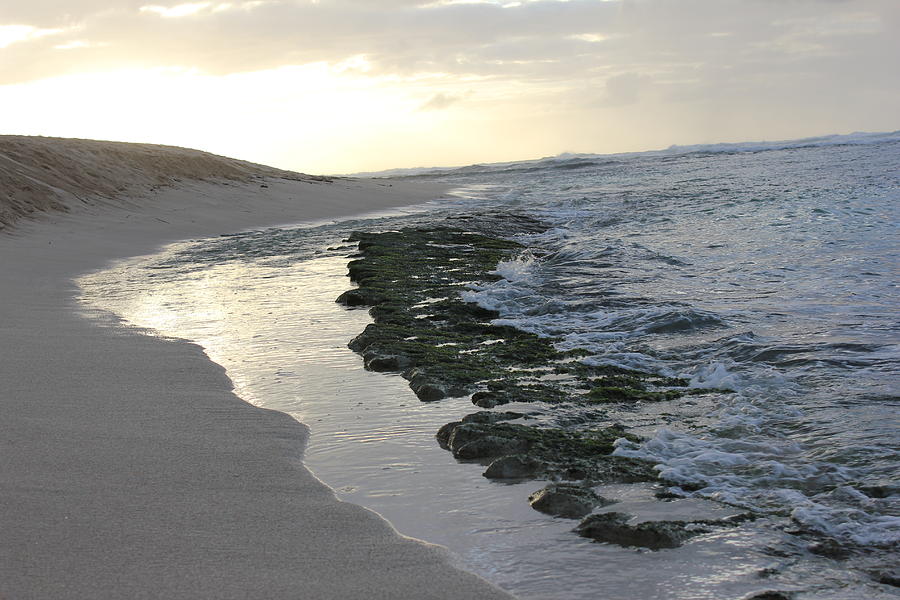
763	276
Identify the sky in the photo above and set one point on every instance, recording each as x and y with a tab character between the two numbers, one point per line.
340	86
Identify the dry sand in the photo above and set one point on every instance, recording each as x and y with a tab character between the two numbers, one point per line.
128	468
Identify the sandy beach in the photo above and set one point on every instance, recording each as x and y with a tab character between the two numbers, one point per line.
129	469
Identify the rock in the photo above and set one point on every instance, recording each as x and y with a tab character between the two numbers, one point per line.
616	469
767	572
444	433
363	340
608	394
769	595
429	388
568	455
425	389
665	494
887	577
488	399
880	491
359	297
417	377
829	548
464	433
613	527
566	500
474	440
510	389
431	392
487	416
517	466
375	361
489	446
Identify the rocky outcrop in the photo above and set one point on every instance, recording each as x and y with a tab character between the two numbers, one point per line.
411	281
614	528
566	500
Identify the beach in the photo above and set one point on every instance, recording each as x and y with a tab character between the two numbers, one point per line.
129	467
569	378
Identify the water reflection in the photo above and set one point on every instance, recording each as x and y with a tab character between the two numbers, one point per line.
274	326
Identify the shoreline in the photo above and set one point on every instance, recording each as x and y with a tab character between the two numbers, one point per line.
131	469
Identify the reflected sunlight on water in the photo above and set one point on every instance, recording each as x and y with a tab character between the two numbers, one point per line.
754	272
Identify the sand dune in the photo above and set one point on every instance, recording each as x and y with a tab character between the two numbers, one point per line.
39	174
128	468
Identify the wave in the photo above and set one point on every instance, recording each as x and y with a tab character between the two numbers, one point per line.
551	163
574	161
851	139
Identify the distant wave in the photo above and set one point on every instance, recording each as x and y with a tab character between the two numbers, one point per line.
850	139
562	161
571	161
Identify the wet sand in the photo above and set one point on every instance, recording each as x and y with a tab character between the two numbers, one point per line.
129	469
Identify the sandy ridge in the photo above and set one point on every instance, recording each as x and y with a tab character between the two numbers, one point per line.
56	174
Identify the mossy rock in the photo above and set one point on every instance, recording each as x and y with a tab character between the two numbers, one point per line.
411	279
630	394
566	500
487	416
613	528
360	297
506	392
518	451
515	467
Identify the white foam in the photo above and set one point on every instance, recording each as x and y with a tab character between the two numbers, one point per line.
518	269
714	375
851	525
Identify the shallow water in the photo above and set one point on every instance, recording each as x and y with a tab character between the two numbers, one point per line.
771	272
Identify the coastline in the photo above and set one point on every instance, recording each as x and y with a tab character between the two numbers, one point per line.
131	469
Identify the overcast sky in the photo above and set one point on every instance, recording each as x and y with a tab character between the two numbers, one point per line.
346	85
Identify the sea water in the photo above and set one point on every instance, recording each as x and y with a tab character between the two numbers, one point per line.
769	269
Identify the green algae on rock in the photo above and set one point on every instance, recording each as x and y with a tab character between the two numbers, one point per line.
566	500
614	528
411	281
543	442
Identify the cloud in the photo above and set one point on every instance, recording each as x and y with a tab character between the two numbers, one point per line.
182	10
399	37
440	102
701	57
13	34
543	39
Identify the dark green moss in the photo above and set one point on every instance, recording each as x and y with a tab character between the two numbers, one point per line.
411	281
630	394
704	391
546	444
585	371
506	391
516	451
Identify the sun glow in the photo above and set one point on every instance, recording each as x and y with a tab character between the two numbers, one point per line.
299	117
